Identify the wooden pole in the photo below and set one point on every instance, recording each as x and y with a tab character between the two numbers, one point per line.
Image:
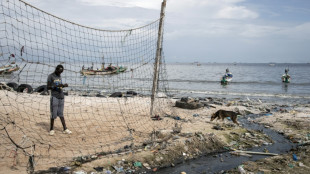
158	55
257	153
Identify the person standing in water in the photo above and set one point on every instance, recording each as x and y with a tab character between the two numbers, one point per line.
286	77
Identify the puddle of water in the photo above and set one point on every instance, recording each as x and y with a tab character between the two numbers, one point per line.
226	161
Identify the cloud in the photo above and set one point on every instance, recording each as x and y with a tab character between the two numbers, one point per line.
251	30
219	9
223	9
236	12
212	29
291	9
149	4
119	23
300	32
207	18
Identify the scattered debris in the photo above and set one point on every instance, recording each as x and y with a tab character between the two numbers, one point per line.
156	117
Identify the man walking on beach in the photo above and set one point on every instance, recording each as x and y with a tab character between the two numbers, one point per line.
54	83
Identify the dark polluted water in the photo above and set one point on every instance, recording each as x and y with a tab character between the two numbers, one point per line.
216	163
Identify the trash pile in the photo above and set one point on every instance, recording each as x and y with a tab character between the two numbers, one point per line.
296	161
171	147
292	121
248	139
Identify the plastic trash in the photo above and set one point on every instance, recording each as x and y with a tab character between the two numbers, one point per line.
217	127
156	117
177	118
196	115
98	169
129	171
146	165
65	169
108	172
137	164
295	157
118	169
301	164
241	169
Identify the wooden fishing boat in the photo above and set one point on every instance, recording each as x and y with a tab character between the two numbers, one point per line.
107	71
8	69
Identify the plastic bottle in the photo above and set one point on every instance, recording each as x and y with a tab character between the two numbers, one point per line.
241	169
295	157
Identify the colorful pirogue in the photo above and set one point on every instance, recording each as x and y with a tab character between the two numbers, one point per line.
8	69
103	71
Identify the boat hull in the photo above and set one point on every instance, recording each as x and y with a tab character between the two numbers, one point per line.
8	69
103	72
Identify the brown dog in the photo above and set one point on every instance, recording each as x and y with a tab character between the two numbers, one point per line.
221	114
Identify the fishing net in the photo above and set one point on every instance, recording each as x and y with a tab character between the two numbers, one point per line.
110	74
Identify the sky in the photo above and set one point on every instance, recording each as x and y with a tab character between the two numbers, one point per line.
223	31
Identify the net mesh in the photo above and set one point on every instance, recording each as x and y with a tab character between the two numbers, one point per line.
33	43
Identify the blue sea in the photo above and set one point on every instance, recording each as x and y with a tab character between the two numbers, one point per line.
250	80
259	80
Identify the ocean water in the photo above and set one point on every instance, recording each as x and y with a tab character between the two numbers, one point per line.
262	81
249	80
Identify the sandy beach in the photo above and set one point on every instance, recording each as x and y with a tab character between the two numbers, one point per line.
143	81
106	130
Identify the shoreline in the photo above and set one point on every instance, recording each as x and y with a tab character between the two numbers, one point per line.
199	129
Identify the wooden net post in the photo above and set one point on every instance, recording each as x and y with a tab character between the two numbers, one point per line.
158	55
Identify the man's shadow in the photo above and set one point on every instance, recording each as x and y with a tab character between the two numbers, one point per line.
44	125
